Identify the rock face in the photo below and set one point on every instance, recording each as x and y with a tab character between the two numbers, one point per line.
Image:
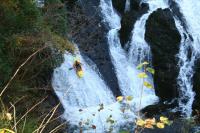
119	5
196	85
129	18
90	36
164	40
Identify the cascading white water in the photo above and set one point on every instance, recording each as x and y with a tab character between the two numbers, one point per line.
186	64
127	6
139	49
190	11
81	97
83	92
126	70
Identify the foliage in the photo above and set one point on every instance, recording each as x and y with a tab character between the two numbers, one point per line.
55	15
25	28
151	123
5	130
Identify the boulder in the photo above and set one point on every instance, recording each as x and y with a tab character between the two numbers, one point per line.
164	39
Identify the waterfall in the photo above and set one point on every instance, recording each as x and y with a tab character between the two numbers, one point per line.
186	64
83	97
127	6
125	69
190	11
139	49
89	101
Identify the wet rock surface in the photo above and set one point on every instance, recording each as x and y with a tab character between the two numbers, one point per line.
161	109
164	39
129	18
90	34
196	86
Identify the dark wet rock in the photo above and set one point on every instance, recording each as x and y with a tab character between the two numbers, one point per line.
88	32
161	109
195	129
129	18
196	85
119	5
164	39
90	7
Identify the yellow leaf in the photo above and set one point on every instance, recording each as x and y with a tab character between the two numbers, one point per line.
9	116
120	98
164	120
142	75
145	63
160	125
4	130
142	64
129	98
140	122
139	66
148	85
150	121
148	126
151	70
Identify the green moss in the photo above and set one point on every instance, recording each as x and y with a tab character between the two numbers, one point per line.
28	125
24	28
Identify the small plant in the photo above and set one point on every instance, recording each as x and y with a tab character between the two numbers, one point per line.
151	123
144	67
125	103
148	123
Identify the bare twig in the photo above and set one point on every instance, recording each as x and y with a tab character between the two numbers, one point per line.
17	102
24	125
30	110
55	108
41	125
57	128
48	123
20	68
14	117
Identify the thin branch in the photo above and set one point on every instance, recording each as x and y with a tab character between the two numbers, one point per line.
24	125
20	68
48	123
17	102
57	128
50	118
42	123
14	117
30	110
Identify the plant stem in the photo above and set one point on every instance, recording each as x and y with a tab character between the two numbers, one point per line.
142	89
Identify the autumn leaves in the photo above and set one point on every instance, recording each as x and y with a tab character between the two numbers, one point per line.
146	123
151	123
